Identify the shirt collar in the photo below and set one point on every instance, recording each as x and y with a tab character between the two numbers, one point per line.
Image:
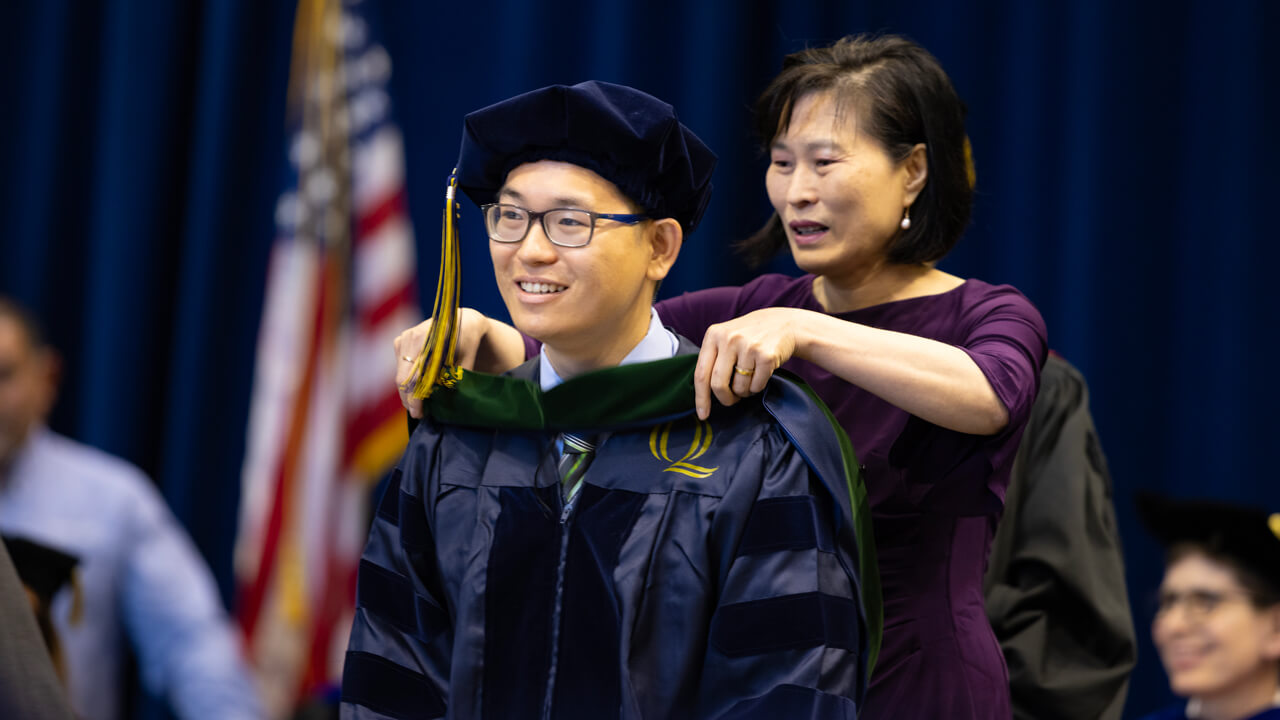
658	343
1194	706
35	436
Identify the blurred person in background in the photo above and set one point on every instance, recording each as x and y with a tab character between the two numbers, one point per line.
1217	615
141	577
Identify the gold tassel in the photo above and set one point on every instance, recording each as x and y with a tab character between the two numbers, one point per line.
435	364
971	172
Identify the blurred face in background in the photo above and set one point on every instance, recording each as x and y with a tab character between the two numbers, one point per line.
1216	644
27	386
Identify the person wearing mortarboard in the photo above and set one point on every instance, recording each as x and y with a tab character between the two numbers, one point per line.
1217	619
569	540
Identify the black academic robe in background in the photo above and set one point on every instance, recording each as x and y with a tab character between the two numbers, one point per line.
1055	590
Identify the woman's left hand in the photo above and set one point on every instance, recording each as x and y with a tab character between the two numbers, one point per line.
739	356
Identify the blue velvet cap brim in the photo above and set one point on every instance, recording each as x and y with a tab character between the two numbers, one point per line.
628	137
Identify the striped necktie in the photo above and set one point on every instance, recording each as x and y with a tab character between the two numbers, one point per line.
574	460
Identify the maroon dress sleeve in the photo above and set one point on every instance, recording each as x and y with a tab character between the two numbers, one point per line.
1008	341
691	313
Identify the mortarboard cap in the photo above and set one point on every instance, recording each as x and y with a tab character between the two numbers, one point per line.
41	568
1249	535
625	136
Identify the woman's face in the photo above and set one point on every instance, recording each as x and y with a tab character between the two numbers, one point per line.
840	196
1212	640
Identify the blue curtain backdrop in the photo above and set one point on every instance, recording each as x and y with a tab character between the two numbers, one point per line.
1125	152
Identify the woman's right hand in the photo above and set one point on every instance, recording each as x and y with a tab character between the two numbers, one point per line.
484	344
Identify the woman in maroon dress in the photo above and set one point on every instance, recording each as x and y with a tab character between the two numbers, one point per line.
933	376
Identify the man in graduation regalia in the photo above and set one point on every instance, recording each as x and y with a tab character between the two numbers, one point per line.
569	540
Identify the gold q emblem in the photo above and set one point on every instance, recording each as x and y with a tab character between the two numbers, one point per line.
660	437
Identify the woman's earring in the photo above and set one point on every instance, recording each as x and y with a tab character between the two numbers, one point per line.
906	218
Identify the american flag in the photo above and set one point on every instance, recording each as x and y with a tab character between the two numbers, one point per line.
325	420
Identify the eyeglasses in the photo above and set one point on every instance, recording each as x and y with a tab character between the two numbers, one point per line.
566	227
1197	604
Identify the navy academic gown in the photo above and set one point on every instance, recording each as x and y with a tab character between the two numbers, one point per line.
1179	712
704	570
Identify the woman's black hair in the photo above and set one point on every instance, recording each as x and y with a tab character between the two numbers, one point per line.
902	97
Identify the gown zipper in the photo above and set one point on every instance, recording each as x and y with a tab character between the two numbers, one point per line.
557	618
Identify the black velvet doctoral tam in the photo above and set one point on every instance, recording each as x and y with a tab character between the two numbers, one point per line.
628	137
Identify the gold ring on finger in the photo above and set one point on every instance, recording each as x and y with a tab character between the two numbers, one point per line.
740	371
